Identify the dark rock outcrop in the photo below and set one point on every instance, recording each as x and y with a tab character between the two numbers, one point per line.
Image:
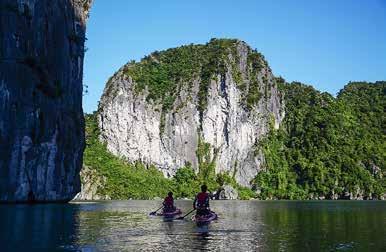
41	117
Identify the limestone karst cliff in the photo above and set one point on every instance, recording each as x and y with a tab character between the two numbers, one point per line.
207	106
215	114
41	117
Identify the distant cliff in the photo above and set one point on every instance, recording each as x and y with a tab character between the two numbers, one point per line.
41	118
207	106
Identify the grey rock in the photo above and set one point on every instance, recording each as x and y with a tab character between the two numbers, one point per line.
227	192
357	194
91	182
333	195
41	117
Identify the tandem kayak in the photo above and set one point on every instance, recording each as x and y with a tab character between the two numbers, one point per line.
204	219
171	214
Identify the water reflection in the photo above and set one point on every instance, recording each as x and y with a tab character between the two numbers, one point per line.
242	226
325	226
38	227
202	241
202	229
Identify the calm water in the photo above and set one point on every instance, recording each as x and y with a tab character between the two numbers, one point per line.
242	226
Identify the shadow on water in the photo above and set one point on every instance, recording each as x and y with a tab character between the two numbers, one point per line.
202	239
203	229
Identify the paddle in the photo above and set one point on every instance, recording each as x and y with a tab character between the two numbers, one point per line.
182	217
153	213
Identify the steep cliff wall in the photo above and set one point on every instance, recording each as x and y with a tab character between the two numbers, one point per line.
91	182
41	118
203	105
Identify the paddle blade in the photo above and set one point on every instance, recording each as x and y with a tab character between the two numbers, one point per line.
152	213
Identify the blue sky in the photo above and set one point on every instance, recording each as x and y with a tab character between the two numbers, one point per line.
322	43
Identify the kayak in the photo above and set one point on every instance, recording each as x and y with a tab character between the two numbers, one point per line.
171	214
204	219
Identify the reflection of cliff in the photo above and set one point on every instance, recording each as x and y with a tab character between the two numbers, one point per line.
41	118
114	226
322	226
38	227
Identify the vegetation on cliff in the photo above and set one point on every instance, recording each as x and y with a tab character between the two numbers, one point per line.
140	181
123	180
327	147
164	73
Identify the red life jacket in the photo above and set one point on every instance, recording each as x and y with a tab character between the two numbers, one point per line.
202	200
169	201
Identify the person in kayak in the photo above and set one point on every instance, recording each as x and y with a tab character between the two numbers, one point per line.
201	202
169	203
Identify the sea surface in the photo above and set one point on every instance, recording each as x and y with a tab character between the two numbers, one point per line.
242	226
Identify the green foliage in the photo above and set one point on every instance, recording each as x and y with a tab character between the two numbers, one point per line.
244	192
124	180
224	178
214	63
256	63
186	182
164	73
327	146
137	181
162	123
256	59
254	94
207	164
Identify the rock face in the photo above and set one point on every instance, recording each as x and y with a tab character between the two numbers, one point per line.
227	192
41	117
225	114
90	183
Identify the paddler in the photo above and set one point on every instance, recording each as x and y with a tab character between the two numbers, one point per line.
169	203
201	202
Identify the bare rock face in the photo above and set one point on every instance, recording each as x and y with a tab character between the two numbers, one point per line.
241	101
41	117
227	192
91	181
